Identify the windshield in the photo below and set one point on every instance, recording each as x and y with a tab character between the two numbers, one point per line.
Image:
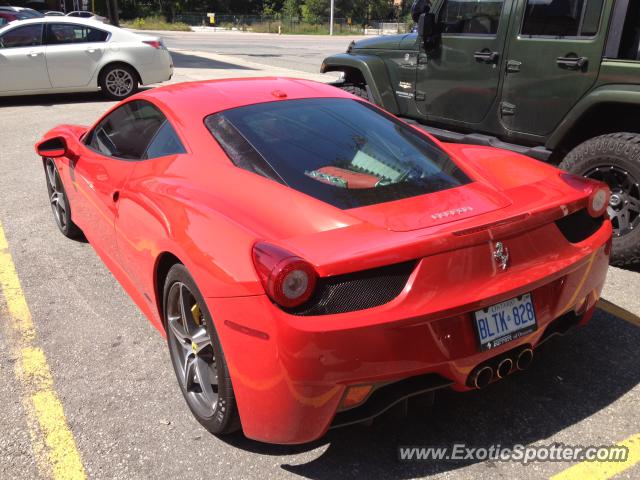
341	151
28	13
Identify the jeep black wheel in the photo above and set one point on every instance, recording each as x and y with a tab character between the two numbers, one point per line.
615	160
357	90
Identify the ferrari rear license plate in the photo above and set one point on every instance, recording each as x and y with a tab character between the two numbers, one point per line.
504	322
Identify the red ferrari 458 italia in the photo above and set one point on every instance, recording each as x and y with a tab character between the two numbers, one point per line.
313	260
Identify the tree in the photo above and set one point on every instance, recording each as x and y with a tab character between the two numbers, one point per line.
314	10
291	8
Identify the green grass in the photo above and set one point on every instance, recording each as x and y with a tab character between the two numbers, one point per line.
302	28
155	23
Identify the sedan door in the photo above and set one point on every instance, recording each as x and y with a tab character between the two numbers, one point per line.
22	62
73	53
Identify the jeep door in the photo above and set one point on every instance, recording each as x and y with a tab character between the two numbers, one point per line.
553	58
459	80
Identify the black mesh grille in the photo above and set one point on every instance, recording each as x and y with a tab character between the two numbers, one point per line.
579	225
356	291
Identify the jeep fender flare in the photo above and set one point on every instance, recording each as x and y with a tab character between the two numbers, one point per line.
606	94
374	72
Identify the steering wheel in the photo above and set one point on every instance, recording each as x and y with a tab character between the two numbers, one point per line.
475	18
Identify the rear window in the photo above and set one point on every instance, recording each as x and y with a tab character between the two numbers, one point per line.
341	151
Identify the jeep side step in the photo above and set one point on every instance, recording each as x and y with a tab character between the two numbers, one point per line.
539	152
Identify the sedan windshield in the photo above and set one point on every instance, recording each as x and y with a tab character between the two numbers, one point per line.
28	13
343	152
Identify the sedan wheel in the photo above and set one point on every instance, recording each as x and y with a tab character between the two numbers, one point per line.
196	354
118	82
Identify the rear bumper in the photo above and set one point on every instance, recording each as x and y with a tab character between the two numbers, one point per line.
160	70
290	373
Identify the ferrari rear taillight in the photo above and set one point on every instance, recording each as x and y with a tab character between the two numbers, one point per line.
288	279
598	201
153	43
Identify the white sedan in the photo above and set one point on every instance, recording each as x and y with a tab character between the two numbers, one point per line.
58	55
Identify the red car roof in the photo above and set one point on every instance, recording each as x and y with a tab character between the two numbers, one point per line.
204	98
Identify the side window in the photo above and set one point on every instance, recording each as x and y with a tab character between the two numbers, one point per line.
27	36
127	131
471	17
166	142
62	33
562	18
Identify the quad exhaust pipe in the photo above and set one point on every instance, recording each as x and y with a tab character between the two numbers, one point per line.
504	368
525	357
483	377
483	374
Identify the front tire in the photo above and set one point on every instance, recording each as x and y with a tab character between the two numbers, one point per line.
118	81
615	160
59	201
197	356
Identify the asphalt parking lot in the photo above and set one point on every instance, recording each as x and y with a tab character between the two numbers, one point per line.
111	371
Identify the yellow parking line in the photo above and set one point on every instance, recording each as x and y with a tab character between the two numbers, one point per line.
617	311
54	446
604	470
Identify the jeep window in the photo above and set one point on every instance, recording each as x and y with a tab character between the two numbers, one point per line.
630	41
341	151
562	18
471	17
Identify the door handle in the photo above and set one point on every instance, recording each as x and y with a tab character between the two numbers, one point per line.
91	50
513	66
486	56
572	63
33	54
115	196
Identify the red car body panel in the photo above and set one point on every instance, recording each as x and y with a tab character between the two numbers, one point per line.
289	372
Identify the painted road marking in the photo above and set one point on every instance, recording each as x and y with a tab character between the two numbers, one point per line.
617	311
603	470
54	446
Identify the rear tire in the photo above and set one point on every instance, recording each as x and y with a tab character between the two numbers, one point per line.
118	81
197	356
615	159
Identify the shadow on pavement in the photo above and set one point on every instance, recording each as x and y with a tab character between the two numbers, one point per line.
181	60
572	378
52	99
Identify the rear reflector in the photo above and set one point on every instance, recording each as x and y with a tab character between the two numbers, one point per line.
356	395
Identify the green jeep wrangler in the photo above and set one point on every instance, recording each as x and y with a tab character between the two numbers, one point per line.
558	80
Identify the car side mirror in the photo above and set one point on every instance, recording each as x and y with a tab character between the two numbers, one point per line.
429	31
53	148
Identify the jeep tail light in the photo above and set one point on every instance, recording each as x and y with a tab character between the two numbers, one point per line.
598	201
288	279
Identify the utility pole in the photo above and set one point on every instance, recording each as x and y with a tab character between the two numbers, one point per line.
112	9
331	18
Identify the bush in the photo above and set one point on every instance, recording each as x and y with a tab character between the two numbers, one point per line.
155	23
